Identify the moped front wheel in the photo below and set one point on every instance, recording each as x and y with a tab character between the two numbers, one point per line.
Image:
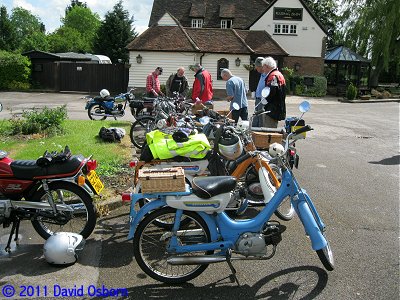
151	241
326	256
97	112
139	129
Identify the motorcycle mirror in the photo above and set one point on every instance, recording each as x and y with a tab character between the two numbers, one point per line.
1	106
304	106
204	120
264	101
235	106
265	92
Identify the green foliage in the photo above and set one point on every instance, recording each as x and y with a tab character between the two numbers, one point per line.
35	41
7	32
46	121
115	33
317	90
67	39
351	92
14	70
372	29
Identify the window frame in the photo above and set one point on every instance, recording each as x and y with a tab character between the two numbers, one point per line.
197	23
225	22
285	29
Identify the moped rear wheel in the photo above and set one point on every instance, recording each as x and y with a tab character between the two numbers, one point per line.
139	129
97	112
151	241
82	220
326	256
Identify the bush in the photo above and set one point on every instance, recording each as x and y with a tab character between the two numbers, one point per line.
317	90
47	121
351	92
14	71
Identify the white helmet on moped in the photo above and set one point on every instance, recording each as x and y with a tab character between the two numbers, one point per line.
276	149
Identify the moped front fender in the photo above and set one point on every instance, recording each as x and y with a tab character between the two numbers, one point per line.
310	220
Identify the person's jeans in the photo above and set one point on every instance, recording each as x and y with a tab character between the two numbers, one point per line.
257	120
242	113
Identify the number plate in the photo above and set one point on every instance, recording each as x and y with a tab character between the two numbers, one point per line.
95	181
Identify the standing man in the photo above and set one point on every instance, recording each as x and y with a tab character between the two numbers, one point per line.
236	91
202	85
257	120
276	98
177	83
153	83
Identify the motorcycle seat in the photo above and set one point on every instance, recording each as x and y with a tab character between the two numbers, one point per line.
28	169
209	186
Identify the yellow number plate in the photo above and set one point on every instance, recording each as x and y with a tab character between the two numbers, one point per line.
95	181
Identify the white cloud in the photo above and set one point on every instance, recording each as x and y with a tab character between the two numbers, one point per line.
51	11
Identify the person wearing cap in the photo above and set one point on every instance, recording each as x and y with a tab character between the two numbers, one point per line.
177	83
236	91
257	120
202	85
153	83
276	105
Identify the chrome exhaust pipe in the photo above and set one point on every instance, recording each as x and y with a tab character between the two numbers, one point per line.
40	205
195	260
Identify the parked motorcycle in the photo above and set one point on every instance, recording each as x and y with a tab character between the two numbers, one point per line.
54	192
201	232
101	107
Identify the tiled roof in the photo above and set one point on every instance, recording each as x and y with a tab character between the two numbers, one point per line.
243	12
210	40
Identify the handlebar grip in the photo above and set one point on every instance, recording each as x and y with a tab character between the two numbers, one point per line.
302	129
242	158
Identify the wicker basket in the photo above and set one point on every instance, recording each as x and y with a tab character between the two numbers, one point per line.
262	140
162	180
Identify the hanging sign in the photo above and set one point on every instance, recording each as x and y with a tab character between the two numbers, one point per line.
283	13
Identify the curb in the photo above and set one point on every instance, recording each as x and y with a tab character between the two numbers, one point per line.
105	206
369	101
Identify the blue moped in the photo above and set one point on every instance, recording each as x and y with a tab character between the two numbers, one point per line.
199	232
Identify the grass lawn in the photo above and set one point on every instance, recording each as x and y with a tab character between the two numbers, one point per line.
81	137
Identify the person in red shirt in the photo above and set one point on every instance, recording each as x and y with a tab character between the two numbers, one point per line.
153	83
202	85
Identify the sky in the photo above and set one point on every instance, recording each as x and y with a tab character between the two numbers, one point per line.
51	11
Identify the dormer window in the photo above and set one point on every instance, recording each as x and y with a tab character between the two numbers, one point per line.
226	23
197	23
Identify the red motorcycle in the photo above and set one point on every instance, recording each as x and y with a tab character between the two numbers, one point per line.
54	192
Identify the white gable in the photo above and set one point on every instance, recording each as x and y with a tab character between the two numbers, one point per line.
167	20
307	41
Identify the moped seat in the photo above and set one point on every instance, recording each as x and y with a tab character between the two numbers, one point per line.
209	186
28	169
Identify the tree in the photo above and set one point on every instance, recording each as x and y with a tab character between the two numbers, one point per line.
7	31
327	12
29	30
84	20
67	39
372	29
115	33
73	4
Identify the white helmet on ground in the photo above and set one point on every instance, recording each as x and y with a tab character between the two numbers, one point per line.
62	248
104	93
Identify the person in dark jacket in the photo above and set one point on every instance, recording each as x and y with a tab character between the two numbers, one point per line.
177	83
202	85
277	96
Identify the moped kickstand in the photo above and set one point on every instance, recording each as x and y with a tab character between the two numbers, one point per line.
232	277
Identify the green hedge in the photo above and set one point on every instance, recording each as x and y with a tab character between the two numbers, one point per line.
15	71
317	90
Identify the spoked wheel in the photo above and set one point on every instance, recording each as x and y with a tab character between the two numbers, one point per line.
81	220
150	245
139	129
326	256
97	112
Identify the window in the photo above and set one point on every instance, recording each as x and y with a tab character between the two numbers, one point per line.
197	23
226	24
222	63
285	29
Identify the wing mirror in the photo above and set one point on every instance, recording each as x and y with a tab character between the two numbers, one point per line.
304	106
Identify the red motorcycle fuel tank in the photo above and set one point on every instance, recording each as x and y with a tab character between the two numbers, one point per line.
5	169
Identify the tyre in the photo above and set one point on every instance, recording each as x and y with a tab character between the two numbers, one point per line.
150	243
96	112
82	220
139	129
326	256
